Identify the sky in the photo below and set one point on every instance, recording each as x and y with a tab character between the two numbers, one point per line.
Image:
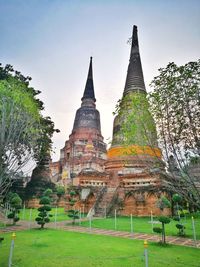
52	41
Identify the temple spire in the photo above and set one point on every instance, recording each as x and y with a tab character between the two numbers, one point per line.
134	79
89	87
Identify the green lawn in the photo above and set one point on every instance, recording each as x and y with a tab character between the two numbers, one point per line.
27	213
143	225
54	248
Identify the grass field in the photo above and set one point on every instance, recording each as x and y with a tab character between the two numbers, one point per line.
143	225
27	213
52	248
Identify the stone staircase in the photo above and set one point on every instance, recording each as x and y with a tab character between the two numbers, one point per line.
106	204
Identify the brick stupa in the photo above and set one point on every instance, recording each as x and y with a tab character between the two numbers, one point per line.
85	151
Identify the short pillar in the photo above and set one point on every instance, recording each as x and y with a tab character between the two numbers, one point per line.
11	249
146	253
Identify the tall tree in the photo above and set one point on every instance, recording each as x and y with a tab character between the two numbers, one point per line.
175	106
24	133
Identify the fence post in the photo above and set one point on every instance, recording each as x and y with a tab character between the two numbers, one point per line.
194	231
55	220
146	253
151	221
115	219
30	218
131	225
90	223
11	250
80	216
23	214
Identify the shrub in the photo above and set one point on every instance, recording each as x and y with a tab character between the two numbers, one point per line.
72	213
181	229
43	215
157	230
16	204
164	220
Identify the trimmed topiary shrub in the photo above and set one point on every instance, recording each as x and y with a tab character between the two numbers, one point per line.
164	220
16	204
43	215
72	213
181	229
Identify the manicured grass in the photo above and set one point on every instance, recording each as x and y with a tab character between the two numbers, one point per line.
54	248
26	213
143	225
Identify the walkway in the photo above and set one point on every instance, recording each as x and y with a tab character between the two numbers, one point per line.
24	225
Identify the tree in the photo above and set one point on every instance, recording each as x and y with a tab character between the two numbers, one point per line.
19	124
175	106
72	213
24	133
43	215
163	203
177	200
16	204
60	191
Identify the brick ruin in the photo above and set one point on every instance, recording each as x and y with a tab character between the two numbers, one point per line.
116	178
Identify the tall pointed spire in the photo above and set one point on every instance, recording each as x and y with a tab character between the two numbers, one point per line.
87	116
134	79
89	87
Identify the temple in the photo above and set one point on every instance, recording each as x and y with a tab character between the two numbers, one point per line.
124	178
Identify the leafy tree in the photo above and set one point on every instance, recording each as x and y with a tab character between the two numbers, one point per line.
72	213
25	133
43	215
16	204
19	122
175	106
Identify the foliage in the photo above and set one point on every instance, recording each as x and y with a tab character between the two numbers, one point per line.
48	192
181	229
43	215
15	203
164	220
72	213
60	190
176	198
163	203
25	132
175	107
157	230
134	123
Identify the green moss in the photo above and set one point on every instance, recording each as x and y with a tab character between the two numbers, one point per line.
134	123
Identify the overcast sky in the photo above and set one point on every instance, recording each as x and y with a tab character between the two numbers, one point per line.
52	41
